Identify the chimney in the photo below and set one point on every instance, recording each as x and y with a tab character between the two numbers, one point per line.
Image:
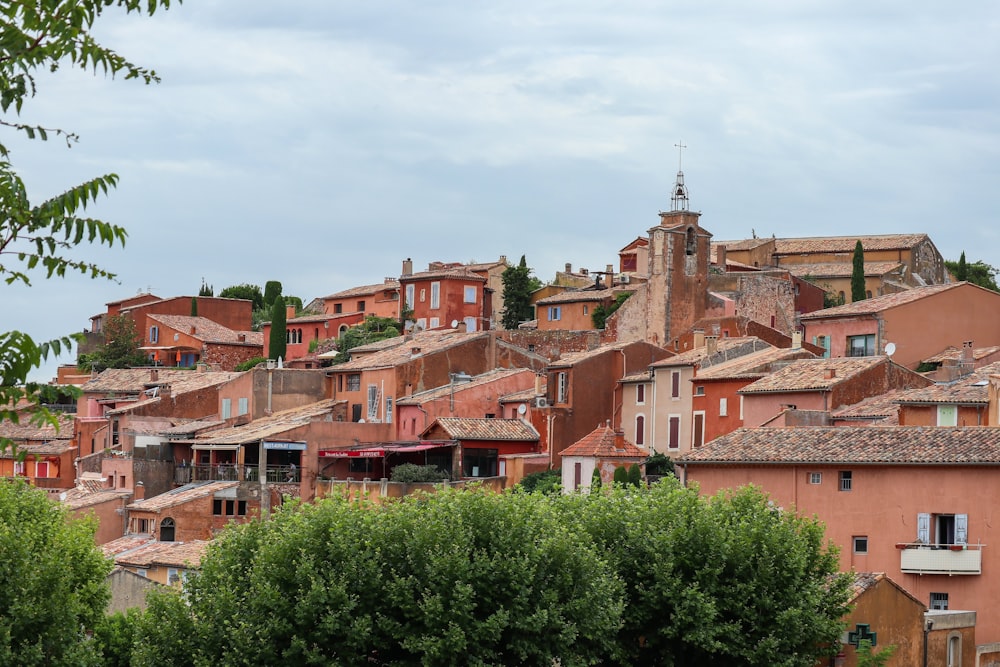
829	373
711	344
720	256
610	271
569	268
290	311
193	330
154	375
138	492
242	338
699	339
407	267
414	351
503	259
796	340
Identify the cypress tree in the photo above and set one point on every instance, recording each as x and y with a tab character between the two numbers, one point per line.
595	481
962	272
194	306
277	343
858	274
516	294
635	475
272	290
621	476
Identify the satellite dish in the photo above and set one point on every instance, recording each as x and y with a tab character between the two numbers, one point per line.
521	409
890	349
454	323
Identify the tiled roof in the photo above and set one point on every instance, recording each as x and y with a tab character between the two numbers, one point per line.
134	380
24	430
526	394
428	342
209	331
840	269
463	428
79	497
179	496
270	426
969	445
753	365
50	448
571	358
811	374
364	290
579	295
846	244
125	543
726	348
191	427
603	442
742	244
448	274
952	353
878	304
882	407
476	381
164	554
973	389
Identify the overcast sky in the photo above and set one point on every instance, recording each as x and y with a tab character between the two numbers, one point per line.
320	143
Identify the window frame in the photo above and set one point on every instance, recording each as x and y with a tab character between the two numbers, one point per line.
469	289
435	295
845	480
859	545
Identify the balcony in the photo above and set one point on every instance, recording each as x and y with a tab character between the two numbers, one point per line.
232	473
951	559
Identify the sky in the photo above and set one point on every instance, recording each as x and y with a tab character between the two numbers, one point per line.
320	143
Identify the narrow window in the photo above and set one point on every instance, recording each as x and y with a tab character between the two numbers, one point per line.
674	432
409	297
698	429
435	295
675	384
640	394
227	408
562	388
361	306
154	334
845	480
244	406
577	475
640	430
723	407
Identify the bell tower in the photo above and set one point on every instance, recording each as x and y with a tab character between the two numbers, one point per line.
677	291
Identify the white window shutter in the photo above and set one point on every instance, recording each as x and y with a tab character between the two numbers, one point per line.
961	528
924	528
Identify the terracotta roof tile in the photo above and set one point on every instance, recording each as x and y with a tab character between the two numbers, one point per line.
969	445
24	430
80	497
581	295
125	543
726	349
164	554
463	428
741	244
812	374
460	273
952	353
846	244
571	358
878	304
840	269
364	290
265	427
402	351
604	442
883	408
180	496
753	365
135	380
209	331
477	381
973	389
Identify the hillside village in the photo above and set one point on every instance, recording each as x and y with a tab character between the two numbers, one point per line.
879	416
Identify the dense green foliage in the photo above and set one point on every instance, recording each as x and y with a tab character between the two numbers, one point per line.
546	481
54	587
246	291
978	272
37	38
451	578
373	329
659	464
277	343
249	363
657	576
634	475
518	285
601	313
620	478
411	473
869	657
595	480
272	290
858	292
120	348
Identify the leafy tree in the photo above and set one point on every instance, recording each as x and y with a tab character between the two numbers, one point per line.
602	313
450	578
595	480
978	273
278	342
249	363
517	288
54	581
120	348
858	292
869	657
736	581
272	290
39	37
244	291
114	636
634	475
659	464
411	472
373	329
546	481
206	290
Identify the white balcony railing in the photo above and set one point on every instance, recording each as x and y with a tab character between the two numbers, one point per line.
917	558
